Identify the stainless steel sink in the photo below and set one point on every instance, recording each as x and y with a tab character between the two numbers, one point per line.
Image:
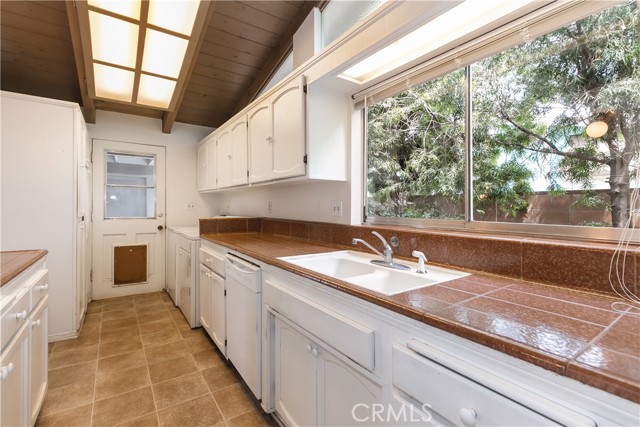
356	268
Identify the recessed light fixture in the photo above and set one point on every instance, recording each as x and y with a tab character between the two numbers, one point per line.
136	50
464	18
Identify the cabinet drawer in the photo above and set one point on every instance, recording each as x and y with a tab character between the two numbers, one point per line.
350	338
40	288
14	315
213	260
464	394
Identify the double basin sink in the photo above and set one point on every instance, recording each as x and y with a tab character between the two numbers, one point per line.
356	268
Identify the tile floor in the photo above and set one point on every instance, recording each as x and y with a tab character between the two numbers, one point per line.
138	363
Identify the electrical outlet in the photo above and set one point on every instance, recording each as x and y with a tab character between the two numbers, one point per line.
191	206
336	208
269	207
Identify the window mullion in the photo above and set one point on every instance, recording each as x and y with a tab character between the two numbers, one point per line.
468	146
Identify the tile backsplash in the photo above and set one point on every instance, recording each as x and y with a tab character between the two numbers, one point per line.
580	265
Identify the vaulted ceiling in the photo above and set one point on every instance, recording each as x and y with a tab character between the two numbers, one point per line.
242	46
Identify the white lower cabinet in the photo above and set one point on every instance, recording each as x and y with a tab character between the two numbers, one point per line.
314	387
24	312
213	295
14	365
331	359
38	353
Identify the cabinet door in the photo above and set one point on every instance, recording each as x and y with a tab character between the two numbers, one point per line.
205	299
38	356
288	110
239	152
225	158
347	397
295	376
260	143
203	183
218	312
14	376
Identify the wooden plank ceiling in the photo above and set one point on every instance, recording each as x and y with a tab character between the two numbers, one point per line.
244	43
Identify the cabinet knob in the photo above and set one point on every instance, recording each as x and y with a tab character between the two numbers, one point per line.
468	417
315	351
22	316
228	156
43	288
308	348
269	139
35	323
6	370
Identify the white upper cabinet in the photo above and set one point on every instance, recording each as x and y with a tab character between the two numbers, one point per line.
277	127
207	164
232	153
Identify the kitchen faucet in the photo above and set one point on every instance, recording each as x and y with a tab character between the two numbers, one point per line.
387	256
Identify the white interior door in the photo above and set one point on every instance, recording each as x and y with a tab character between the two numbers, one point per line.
128	218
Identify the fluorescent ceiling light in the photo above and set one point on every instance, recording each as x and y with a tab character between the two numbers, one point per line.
155	91
129	8
163	53
113	40
113	83
173	15
467	16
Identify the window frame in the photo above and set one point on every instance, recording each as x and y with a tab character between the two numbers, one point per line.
545	20
146	187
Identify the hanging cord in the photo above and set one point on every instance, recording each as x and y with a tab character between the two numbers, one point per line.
617	267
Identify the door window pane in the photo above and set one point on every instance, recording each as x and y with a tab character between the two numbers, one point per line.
130	186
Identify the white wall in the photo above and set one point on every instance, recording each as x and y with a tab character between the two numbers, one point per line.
300	201
181	159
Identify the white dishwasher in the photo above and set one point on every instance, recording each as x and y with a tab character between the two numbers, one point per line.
244	320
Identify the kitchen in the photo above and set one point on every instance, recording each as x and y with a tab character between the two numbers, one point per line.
318	208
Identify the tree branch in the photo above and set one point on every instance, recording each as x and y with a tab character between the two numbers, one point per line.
570	154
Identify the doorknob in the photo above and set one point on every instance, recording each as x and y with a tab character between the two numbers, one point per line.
160	228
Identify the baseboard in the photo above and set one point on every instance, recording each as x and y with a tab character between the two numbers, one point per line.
63	336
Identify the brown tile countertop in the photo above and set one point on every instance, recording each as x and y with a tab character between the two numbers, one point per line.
13	263
572	333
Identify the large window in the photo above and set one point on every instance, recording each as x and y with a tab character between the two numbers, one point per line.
530	119
130	186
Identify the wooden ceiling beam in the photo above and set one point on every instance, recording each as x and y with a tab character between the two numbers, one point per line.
88	107
278	56
191	57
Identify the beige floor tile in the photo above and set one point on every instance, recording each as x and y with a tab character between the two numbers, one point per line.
94	308
144	310
73	357
90	328
201	411
82	373
76	417
198	342
119	382
118	409
156	326
153	317
118	334
124	345
118	305
234	400
93	318
149	420
253	418
67	397
208	358
172	369
84	340
178	390
121	362
50	347
220	377
166	336
165	352
118	314
119	323
148	298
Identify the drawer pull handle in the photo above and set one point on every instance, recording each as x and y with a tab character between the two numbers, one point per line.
43	288
468	417
6	370
35	323
22	316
